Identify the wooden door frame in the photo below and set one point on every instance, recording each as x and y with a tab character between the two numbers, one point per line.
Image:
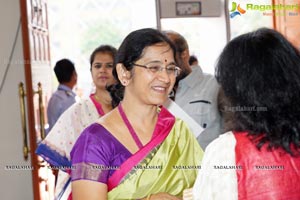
29	97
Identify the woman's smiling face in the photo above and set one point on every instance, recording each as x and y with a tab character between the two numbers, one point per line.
153	86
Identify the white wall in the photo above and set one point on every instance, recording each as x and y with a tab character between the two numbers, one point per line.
206	36
14	184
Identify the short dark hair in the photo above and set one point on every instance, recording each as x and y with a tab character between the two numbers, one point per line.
192	59
179	41
131	50
64	70
103	49
261	70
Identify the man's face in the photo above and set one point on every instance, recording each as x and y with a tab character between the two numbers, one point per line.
182	58
183	64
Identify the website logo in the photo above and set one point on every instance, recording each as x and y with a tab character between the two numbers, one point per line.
236	10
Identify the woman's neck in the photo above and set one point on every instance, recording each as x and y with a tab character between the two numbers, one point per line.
140	113
102	96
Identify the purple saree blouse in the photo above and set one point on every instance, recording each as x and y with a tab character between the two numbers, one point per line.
97	155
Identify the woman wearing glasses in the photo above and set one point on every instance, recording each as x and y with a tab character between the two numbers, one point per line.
56	147
139	150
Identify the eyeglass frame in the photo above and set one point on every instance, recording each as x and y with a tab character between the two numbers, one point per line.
176	72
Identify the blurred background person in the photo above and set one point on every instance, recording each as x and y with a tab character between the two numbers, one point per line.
260	157
193	60
196	92
56	147
64	96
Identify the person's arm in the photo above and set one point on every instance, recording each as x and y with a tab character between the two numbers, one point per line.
53	111
214	180
90	159
89	190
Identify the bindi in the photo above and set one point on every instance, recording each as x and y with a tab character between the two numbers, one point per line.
166	60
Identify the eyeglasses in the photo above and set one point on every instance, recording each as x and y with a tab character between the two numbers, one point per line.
154	68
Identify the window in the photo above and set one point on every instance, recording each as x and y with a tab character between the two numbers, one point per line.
77	27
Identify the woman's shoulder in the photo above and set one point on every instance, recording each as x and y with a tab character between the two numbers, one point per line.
98	136
222	147
95	133
83	105
224	140
93	140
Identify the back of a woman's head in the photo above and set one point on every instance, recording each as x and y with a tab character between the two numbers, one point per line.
260	75
131	50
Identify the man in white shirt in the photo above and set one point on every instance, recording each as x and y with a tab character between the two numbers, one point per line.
196	92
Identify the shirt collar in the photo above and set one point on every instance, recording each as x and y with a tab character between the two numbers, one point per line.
189	80
66	89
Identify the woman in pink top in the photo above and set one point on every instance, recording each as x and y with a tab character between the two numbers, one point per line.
56	147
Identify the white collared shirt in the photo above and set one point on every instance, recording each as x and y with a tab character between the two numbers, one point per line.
197	95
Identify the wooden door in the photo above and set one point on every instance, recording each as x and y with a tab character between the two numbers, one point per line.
37	88
288	22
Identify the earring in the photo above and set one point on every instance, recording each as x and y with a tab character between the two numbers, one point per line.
124	82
